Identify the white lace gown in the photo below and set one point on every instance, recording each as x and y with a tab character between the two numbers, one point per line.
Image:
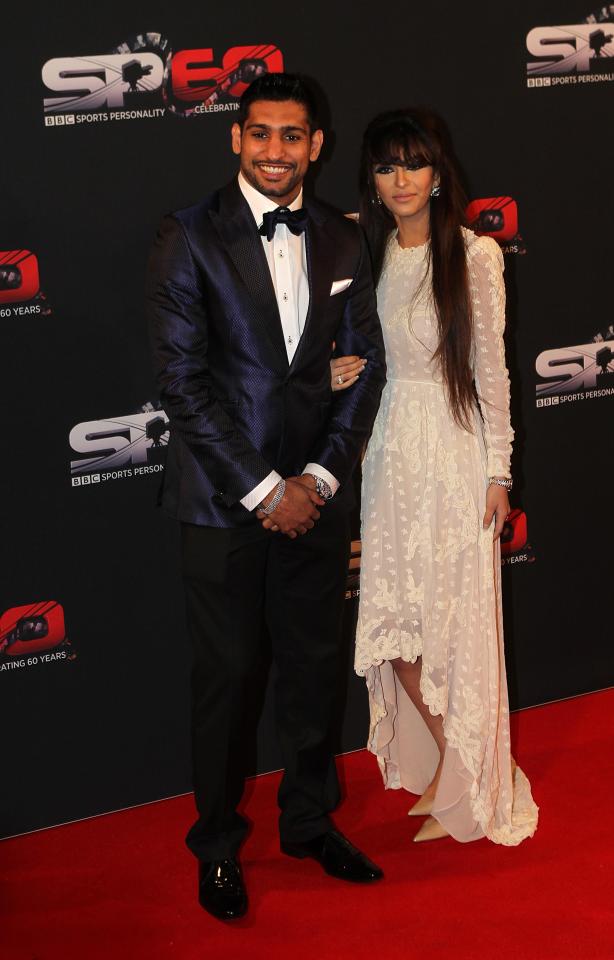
430	576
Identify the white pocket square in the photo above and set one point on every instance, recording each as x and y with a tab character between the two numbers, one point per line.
339	286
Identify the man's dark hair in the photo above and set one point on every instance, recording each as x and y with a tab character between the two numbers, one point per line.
279	87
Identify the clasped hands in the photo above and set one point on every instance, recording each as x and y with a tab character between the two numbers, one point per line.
297	511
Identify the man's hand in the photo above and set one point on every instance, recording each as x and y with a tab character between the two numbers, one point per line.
497	506
297	511
309	482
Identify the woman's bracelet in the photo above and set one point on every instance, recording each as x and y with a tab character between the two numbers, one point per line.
502	482
281	489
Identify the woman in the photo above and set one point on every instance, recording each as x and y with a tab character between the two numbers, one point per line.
435	494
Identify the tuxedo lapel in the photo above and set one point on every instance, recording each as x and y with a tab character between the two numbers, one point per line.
321	250
237	230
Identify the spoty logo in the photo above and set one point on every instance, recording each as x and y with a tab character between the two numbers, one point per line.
118	442
563	370
145	68
581	48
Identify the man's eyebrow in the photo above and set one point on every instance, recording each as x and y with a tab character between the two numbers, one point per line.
285	129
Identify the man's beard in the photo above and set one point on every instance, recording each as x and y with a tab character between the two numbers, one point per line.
272	190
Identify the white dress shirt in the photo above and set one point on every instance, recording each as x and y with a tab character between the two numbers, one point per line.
287	259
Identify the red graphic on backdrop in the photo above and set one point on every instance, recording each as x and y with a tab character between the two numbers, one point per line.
515	546
19	279
495	217
193	79
31	628
514	535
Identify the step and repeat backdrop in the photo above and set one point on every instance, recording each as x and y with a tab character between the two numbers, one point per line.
110	121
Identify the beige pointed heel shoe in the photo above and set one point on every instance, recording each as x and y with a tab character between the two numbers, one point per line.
422	807
431	829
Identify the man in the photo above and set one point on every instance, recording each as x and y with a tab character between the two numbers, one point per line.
247	292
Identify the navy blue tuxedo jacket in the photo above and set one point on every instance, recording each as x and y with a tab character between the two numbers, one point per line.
237	408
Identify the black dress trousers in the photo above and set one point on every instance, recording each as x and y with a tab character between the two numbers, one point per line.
242	585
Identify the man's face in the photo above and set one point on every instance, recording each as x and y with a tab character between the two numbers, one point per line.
276	147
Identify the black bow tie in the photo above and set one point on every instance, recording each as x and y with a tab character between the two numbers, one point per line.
295	220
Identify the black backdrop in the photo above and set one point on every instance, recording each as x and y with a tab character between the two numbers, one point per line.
93	654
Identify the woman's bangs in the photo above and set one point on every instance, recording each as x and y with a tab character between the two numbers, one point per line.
399	146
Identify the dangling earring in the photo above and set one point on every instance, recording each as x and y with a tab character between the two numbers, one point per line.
378	200
436	191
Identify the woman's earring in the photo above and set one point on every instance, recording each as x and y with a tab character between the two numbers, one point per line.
436	191
377	200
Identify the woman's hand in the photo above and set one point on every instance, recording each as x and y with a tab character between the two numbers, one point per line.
344	371
497	506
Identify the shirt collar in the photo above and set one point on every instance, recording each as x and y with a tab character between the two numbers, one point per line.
259	204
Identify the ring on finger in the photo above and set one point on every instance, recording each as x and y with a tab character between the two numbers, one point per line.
340	379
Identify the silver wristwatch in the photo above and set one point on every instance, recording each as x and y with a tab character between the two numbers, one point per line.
322	487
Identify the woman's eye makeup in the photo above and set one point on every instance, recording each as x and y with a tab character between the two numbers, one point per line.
412	165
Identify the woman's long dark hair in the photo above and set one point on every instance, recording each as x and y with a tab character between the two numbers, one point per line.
419	134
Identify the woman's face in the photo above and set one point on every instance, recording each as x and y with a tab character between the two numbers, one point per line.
405	189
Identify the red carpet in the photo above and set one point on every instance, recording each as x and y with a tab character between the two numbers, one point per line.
123	886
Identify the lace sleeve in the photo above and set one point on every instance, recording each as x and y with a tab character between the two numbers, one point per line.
490	372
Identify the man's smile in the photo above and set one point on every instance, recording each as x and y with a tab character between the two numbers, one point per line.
275	169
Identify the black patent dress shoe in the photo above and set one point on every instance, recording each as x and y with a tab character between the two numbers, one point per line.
221	890
338	857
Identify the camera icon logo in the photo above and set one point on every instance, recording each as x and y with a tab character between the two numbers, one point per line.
495	217
32	628
19	277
